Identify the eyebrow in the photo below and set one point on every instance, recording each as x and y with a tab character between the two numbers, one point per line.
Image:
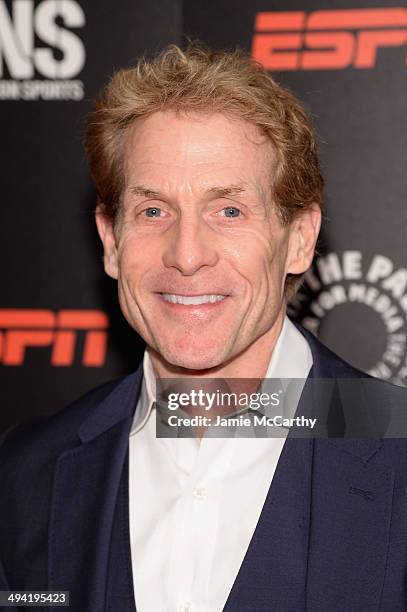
220	192
144	191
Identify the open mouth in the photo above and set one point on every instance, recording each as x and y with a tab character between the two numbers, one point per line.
193	300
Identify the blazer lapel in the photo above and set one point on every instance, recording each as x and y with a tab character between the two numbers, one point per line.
351	492
85	490
273	573
350	521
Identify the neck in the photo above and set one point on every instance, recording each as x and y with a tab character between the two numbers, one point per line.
250	363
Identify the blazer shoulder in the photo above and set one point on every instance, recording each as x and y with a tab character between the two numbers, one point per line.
328	363
47	435
389	399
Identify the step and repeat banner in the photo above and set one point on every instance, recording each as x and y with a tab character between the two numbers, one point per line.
61	331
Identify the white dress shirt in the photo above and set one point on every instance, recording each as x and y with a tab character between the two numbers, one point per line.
194	506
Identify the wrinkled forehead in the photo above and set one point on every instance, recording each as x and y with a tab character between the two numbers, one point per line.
197	150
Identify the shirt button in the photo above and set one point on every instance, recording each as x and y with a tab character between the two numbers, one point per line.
199	493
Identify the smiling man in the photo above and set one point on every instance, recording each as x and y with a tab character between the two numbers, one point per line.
207	294
209	208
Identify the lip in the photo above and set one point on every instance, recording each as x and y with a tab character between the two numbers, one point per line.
192	293
193	308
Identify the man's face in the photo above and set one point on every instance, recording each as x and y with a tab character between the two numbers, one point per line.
199	253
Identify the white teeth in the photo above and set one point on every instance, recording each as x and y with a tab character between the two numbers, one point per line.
192	299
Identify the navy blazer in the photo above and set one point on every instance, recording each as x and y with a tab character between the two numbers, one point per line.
332	535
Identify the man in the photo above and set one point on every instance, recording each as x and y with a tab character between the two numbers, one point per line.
209	207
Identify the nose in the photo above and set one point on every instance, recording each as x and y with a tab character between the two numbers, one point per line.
190	246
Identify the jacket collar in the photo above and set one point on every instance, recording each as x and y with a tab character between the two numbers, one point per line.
117	406
327	365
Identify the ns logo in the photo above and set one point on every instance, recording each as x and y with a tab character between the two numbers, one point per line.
49	22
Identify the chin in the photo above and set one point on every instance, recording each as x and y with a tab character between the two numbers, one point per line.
194	357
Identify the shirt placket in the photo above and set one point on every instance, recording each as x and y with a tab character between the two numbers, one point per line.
196	522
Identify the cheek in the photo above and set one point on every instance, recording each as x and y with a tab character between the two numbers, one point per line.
249	238
133	259
257	256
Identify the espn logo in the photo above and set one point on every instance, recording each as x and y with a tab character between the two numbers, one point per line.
38	328
328	39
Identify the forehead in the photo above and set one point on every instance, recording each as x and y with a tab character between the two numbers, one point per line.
173	148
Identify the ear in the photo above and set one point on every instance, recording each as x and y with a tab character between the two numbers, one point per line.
304	232
105	229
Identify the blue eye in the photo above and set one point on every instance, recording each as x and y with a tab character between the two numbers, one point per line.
153	212
231	212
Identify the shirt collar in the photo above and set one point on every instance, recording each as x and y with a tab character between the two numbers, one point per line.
291	358
147	395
